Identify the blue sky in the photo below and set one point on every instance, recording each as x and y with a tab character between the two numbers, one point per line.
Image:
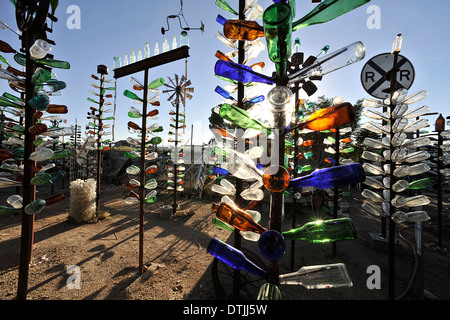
113	28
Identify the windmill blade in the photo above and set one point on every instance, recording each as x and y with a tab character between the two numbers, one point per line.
171	97
171	81
191	90
187	84
176	78
189	96
169	86
183	78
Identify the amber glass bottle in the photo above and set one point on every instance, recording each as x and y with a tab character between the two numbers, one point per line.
55	198
239	219
328	118
38	128
243	30
57	109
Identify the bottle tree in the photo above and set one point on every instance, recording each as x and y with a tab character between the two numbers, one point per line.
179	90
36	86
278	26
146	188
394	163
97	116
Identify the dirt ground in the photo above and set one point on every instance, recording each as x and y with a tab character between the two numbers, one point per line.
179	268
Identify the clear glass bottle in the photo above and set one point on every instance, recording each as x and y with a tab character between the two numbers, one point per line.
319	277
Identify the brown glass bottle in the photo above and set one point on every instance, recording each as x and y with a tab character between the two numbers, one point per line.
151	170
38	115
57	109
55	198
16	72
6	48
239	219
153	113
38	128
38	168
328	118
134	126
5	154
223	56
243	30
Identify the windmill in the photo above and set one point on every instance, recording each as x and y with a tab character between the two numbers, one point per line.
179	89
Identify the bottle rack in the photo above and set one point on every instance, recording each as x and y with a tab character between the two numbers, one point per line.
36	87
241	74
179	90
96	127
394	165
143	150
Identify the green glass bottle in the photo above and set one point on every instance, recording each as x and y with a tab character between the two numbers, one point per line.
61	154
277	21
269	291
41	76
41	179
226	6
132	155
323	231
155	141
155	84
421	184
241	118
35	207
327	10
132	96
22	60
222	224
7	210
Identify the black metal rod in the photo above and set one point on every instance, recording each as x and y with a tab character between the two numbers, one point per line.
142	186
295	189
336	189
392	164
239	135
440	165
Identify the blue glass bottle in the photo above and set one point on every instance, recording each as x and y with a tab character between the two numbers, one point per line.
233	257
272	245
221	171
224	93
332	177
240	73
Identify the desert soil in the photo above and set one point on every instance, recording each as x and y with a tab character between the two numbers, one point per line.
178	265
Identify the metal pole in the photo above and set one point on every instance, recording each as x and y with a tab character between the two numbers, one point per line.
29	191
177	119
439	187
142	187
239	135
295	189
336	189
392	164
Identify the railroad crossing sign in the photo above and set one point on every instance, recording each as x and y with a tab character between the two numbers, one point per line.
373	75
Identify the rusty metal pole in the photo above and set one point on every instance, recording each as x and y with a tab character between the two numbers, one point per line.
29	191
142	187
